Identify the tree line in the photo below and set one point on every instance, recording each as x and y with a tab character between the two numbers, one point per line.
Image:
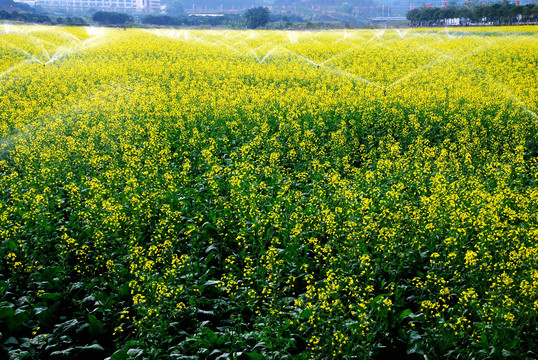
24	16
252	19
228	20
497	14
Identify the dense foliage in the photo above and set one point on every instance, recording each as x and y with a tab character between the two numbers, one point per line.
24	16
227	20
72	21
242	194
257	17
497	13
110	18
161	20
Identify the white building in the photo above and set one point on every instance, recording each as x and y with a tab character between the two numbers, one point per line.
104	5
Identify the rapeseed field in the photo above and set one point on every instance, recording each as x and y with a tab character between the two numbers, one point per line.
200	194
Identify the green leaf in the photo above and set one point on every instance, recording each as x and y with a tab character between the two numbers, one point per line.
52	296
205	312
404	314
376	300
135	352
214	353
67	353
414	336
305	314
66	327
45	315
120	355
11	245
82	328
210	248
352	324
212	282
512	344
415	349
14	323
183	357
76	286
93	319
39	309
96	326
484	340
11	341
3	287
21	311
302	356
210	336
90	349
447	341
26	344
6	312
209	257
125	290
24	355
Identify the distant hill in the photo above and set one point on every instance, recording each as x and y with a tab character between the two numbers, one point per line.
10	5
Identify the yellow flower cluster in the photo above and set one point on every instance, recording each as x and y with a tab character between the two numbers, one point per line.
328	181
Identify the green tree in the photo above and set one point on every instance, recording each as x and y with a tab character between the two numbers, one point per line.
346	8
110	18
174	7
257	17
